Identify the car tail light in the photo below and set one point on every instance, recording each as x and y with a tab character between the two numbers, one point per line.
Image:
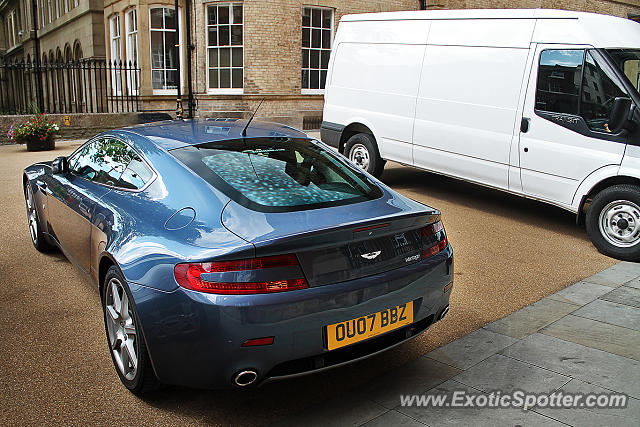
433	239
189	276
255	342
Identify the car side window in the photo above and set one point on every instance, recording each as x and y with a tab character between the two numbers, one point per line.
82	164
600	88
136	175
559	76
111	162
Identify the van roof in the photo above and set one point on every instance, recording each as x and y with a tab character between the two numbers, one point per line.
553	26
467	14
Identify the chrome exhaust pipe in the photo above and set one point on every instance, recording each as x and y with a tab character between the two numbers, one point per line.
444	313
245	378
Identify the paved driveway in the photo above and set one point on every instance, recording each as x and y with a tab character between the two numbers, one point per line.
581	340
53	359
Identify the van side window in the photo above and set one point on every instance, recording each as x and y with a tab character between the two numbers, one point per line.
558	89
599	89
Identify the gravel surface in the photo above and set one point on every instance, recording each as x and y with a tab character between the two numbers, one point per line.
54	363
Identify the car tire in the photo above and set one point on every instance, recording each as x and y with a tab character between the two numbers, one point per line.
124	336
362	150
613	222
38	238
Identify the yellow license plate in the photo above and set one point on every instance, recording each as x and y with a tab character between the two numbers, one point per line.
362	328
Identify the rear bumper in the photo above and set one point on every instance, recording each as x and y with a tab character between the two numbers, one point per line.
195	339
330	133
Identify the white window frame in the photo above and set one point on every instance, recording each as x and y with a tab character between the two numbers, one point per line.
11	42
129	45
25	15
304	91
42	13
223	91
16	27
115	36
179	18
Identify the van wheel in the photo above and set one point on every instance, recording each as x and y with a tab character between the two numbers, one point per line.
362	150
613	222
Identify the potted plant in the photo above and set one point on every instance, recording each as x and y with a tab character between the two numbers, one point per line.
39	133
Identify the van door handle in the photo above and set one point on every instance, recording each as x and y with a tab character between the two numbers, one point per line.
524	124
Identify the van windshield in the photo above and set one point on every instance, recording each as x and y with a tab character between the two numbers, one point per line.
628	61
278	174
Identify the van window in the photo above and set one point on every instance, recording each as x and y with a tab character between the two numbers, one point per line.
599	90
628	61
563	87
558	89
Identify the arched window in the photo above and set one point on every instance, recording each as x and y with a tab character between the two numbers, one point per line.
77	51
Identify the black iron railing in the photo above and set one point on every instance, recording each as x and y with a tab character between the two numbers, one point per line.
84	86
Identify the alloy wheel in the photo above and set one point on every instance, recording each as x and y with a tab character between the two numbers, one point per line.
121	329
32	215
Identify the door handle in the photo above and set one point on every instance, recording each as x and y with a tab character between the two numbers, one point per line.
524	124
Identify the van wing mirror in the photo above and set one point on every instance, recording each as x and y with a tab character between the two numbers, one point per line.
620	113
59	165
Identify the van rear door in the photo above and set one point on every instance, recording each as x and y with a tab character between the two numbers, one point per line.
564	133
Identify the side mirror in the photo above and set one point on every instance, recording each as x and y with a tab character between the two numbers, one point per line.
619	117
59	165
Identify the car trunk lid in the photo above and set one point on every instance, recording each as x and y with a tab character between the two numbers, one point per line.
339	243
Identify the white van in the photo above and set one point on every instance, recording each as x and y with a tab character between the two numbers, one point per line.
540	103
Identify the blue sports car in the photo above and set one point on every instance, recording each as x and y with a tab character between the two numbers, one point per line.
229	256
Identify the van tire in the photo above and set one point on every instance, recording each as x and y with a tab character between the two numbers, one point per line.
362	150
615	205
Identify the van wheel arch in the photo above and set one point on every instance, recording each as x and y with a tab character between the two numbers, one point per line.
608	182
351	130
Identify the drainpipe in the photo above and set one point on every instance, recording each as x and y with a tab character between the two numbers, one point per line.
190	48
36	41
179	97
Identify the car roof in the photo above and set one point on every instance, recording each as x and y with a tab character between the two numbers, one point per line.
171	134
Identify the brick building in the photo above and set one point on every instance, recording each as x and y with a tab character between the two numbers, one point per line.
241	50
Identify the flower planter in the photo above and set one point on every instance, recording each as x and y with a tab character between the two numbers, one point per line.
39	133
35	143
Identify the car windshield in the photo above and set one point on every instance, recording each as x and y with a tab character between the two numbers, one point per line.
278	174
627	61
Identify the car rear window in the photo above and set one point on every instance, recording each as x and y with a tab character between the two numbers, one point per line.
278	174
